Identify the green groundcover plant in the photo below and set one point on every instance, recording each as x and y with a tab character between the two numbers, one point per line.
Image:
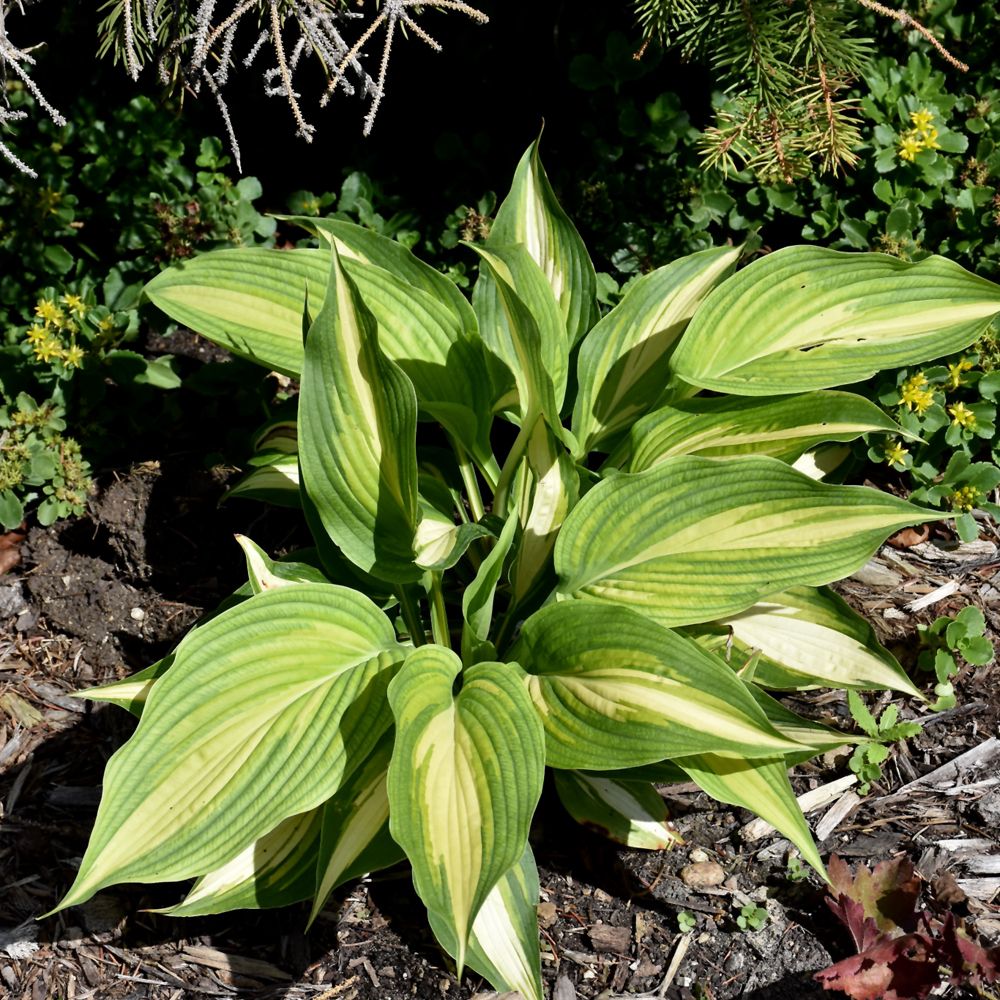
653	562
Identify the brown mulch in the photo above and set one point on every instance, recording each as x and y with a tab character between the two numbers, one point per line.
97	599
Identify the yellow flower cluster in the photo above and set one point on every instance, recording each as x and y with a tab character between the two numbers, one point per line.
955	374
922	136
964	499
915	394
55	322
962	416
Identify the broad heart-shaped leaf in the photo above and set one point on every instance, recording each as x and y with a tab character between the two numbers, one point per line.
614	689
696	538
554	487
264	711
355	835
629	812
761	786
810	638
808	318
277	869
357	436
624	362
531	214
783	427
503	945
520	324
464	780
250	301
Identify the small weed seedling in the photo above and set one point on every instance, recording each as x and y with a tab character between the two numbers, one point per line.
963	635
796	871
868	757
752	918
685	921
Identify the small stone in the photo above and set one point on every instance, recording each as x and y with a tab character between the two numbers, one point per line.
702	874
647	969
546	914
614	939
137	614
697	856
603	897
734	963
563	989
731	883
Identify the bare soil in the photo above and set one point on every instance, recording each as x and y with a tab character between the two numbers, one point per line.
97	598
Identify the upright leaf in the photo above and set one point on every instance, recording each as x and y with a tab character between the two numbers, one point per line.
555	491
503	945
616	690
477	601
694	538
531	214
527	340
464	780
809	318
783	427
264	711
267	574
357	436
624	361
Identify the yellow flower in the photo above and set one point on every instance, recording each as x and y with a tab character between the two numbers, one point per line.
955	374
37	334
910	143
106	325
921	119
915	396
73	356
930	139
48	310
895	454
48	350
964	499
962	416
75	303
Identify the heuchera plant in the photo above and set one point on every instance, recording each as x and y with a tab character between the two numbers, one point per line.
652	563
903	953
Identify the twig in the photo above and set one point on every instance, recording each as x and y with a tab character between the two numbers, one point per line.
908	22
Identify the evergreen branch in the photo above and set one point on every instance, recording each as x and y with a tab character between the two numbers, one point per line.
908	22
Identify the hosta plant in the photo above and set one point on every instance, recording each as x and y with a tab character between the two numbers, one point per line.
612	597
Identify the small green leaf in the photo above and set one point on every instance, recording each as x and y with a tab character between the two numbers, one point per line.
861	714
977	650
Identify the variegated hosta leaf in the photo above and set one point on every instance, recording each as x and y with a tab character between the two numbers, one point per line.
761	786
624	361
267	574
503	945
357	436
130	693
614	689
275	483
250	302
555	491
355	827
811	638
809	318
278	436
464	780
367	247
520	323
264	711
629	812
477	601
816	737
439	543
531	214
784	427
277	869
696	538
